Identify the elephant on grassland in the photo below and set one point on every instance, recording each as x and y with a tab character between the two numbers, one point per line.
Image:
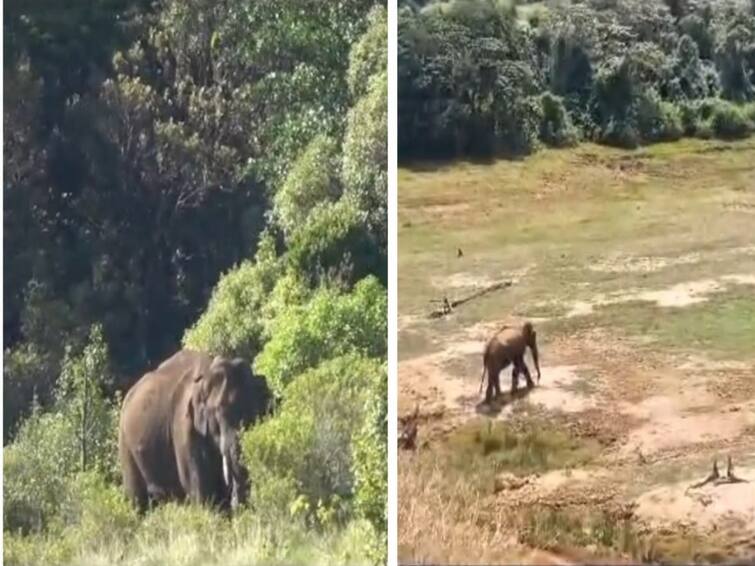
508	347
179	430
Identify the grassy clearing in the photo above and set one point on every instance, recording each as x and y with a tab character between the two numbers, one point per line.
723	327
561	209
586	223
481	450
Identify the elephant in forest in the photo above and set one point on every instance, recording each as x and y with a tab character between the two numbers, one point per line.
179	430
508	347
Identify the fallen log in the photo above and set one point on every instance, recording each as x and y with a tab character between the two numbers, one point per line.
448	306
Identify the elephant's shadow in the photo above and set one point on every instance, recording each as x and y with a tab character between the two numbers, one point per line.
499	402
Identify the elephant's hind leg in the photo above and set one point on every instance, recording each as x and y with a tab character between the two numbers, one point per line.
494	384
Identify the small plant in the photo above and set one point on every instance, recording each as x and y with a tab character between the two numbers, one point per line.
556	127
729	121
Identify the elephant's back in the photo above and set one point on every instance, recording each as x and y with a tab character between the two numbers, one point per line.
509	336
150	404
183	360
167	377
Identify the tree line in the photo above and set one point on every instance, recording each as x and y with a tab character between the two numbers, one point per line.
496	77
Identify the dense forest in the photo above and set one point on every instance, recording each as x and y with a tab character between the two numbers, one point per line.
497	77
209	174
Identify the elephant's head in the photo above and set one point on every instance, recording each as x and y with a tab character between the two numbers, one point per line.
530	338
225	398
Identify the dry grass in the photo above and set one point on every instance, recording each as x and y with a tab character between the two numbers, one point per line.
446	519
448	509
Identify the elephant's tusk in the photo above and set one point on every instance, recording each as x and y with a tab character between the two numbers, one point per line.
226	472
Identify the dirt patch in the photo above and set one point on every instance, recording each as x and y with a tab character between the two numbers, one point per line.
679	295
462	281
667	427
619	263
718	507
407	320
445	210
469	280
559	392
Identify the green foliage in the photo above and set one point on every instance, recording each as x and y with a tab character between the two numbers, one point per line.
729	121
79	434
302	461
312	180
556	128
370	453
658	120
321	247
365	156
369	55
35	468
332	323
159	158
735	45
464	76
232	324
81	398
27	372
623	71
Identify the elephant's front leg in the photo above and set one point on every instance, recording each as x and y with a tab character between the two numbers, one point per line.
196	476
521	367
528	377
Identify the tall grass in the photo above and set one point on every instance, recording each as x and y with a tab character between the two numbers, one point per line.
186	535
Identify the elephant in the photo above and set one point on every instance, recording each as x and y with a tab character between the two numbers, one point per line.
179	430
508	346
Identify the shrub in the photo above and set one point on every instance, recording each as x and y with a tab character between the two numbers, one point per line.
371	464
729	121
79	434
749	110
658	120
365	156
620	133
302	458
232	324
331	324
35	468
27	371
335	244
516	120
556	127
312	180
689	113
369	55
95	513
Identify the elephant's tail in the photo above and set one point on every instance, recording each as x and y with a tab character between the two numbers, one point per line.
484	368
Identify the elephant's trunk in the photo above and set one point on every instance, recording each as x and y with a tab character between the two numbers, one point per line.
233	472
229	451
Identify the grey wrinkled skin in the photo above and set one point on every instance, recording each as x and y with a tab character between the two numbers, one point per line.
179	430
508	346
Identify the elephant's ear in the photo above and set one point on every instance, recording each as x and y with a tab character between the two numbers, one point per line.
242	367
198	404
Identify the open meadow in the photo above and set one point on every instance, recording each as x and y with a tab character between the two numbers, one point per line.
637	269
